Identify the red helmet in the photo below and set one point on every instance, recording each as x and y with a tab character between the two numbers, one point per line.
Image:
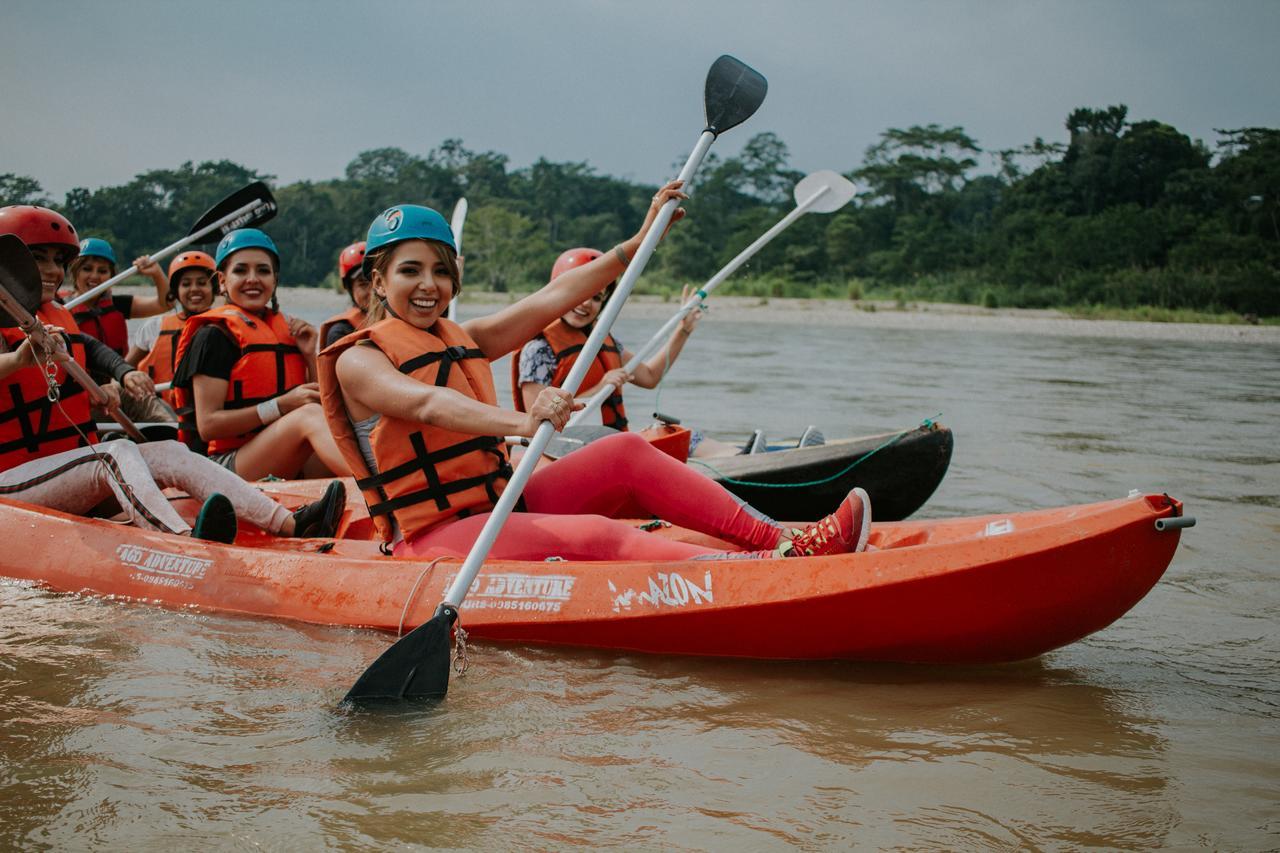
571	258
349	261
189	260
39	226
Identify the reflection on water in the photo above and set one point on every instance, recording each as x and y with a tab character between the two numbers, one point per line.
129	726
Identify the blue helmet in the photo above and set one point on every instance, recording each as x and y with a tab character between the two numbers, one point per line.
96	247
244	238
405	222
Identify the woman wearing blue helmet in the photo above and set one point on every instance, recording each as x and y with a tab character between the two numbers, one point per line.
410	400
249	372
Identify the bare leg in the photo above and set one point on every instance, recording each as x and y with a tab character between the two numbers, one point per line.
283	448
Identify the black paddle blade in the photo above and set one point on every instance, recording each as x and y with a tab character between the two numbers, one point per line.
19	275
256	191
415	667
733	93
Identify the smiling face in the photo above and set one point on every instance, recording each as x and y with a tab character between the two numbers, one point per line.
92	271
51	260
416	283
194	290
585	314
248	279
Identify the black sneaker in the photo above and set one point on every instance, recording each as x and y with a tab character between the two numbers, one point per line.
319	520
216	521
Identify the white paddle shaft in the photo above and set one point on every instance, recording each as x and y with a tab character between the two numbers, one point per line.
515	487
597	400
82	298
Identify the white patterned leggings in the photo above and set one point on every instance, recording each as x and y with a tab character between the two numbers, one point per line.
75	481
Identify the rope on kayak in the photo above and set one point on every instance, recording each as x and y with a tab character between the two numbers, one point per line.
409	600
927	423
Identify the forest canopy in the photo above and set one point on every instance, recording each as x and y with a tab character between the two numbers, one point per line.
1126	213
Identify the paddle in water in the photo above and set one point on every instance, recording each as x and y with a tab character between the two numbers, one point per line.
20	295
820	192
417	665
245	208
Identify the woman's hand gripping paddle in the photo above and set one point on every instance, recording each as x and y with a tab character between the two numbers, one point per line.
19	297
820	192
417	666
246	207
455	225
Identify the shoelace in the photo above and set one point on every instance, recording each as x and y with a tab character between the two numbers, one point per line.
806	542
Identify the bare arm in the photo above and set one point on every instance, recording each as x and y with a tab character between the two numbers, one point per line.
148	306
217	422
371	384
501	332
135	354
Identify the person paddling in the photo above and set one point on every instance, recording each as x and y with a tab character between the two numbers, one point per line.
155	347
547	359
248	370
105	318
411	401
354	281
50	454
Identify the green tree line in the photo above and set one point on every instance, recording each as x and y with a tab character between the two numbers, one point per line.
1124	214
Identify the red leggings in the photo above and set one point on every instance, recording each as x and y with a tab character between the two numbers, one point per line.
572	504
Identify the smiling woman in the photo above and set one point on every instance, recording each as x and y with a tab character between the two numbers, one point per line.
411	402
248	370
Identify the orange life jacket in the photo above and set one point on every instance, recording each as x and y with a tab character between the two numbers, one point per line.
352	315
161	362
566	342
426	474
270	364
31	426
104	321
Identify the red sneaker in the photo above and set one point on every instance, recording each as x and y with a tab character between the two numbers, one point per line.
843	532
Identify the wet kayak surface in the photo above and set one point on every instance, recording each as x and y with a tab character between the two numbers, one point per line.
129	725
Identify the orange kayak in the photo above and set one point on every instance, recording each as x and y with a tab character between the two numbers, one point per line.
966	590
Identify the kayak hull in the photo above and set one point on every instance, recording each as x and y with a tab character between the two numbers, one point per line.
899	471
974	590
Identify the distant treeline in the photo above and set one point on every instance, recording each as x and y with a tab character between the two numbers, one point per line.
1125	214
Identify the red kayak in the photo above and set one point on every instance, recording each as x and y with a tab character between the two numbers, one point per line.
966	590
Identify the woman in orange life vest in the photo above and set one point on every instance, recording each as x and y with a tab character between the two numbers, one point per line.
248	369
548	358
351	271
105	321
155	347
50	455
105	318
411	401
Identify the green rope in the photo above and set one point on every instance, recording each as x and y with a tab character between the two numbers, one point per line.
926	424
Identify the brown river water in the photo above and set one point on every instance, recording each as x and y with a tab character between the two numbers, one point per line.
132	727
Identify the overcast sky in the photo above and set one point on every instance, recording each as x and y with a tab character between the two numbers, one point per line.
94	92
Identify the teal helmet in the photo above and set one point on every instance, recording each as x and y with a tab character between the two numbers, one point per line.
405	222
96	247
244	238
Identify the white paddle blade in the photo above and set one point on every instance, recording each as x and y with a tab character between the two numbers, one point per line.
840	190
456	223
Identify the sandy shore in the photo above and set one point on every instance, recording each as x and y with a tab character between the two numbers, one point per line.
835	312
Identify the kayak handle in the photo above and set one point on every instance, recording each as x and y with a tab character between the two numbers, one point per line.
667	419
1178	523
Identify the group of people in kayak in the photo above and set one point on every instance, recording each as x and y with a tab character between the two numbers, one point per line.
390	391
